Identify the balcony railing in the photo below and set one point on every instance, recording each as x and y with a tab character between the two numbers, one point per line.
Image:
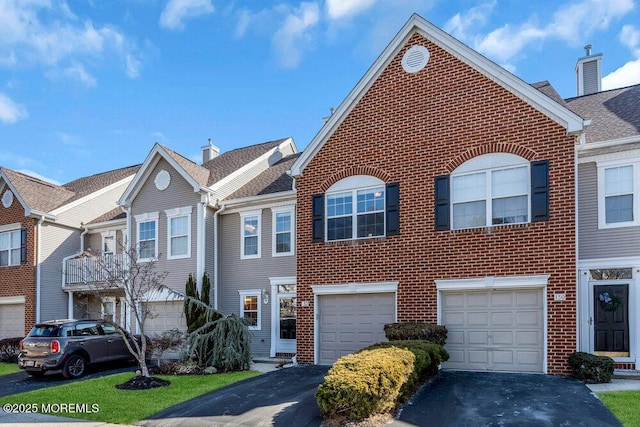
95	269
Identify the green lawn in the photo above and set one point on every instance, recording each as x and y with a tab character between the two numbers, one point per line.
125	406
8	368
624	404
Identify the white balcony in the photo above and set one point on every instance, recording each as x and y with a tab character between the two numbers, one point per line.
89	269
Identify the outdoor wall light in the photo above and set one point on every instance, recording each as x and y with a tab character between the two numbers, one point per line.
265	296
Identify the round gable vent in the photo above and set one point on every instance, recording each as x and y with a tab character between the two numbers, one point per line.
7	199
415	59
162	180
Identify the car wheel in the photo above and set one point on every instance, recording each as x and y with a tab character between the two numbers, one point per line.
74	367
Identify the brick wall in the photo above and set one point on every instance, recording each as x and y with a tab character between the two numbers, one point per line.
21	279
409	128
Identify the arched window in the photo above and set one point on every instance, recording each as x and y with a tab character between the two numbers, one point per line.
357	207
491	190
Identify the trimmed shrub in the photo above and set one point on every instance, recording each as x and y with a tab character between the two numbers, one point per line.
428	356
364	384
9	349
591	368
416	331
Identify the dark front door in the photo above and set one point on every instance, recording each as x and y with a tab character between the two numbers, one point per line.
611	320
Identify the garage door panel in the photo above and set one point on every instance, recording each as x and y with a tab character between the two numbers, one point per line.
511	338
478	319
501	318
349	323
11	320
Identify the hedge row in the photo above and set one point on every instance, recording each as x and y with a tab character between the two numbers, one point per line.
366	383
416	331
591	368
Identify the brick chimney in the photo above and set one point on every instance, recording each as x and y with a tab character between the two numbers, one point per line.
209	152
589	72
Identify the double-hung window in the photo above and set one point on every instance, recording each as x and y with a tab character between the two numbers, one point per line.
250	307
108	243
283	231
618	204
10	244
179	232
355	209
490	190
491	197
250	246
147	236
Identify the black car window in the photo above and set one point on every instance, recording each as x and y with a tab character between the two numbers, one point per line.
84	329
44	331
109	329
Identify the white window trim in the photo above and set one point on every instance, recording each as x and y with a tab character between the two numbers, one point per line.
10	248
353	184
487	164
250	293
185	211
147	217
602	211
105	234
243	216
274	212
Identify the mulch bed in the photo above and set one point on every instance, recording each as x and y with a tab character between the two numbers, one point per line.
143	383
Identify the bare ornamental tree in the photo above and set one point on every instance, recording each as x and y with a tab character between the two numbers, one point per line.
138	282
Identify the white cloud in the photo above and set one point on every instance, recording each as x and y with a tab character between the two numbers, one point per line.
629	73
471	20
176	11
569	24
43	33
10	112
293	37
78	72
337	9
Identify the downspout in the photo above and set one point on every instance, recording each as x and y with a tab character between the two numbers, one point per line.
64	270
216	261
38	274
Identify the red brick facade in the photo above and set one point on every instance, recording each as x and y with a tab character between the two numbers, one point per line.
410	128
20	280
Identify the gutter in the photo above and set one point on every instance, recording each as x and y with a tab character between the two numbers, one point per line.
38	269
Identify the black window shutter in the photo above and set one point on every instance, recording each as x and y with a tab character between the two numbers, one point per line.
23	246
393	209
442	203
318	217
540	190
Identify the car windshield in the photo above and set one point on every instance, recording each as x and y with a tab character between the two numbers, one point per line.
44	331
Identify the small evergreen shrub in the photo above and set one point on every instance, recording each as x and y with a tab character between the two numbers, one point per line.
364	384
590	368
416	331
9	349
428	357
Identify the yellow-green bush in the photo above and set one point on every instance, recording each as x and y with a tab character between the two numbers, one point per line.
366	383
428	355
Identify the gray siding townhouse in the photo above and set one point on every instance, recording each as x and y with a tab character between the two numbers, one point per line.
608	180
173	210
40	225
257	260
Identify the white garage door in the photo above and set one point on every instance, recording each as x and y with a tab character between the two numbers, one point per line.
11	320
494	330
165	315
351	322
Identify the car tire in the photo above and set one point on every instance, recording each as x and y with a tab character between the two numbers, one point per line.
74	367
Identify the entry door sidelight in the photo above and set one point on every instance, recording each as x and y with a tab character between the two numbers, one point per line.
611	320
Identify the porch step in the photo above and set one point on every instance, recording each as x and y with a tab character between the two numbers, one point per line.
624	374
274	360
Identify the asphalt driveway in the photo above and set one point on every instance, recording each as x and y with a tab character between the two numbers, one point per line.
280	398
491	399
286	398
